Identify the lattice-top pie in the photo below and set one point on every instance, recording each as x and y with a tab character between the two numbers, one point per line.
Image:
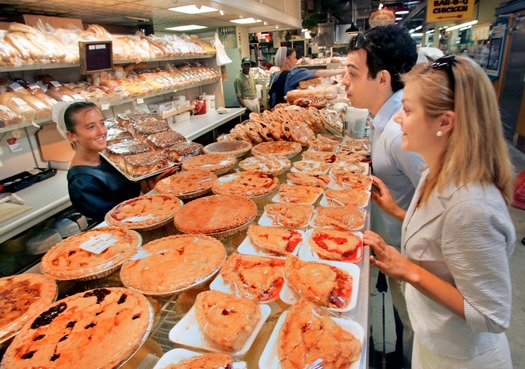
22	297
284	148
248	184
210	162
76	258
77	331
186	182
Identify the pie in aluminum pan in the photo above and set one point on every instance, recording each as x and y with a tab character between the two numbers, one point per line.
237	148
247	184
271	164
284	148
217	163
186	183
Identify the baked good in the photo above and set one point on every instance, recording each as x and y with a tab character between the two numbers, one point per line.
247	184
347	196
69	260
143	211
324	284
116	135
333	244
186	183
22	297
254	277
354	156
218	163
116	151
173	263
271	164
346	168
289	214
164	139
321	156
323	144
182	150
226	320
352	180
144	163
309	335
205	361
283	148
299	193
306	179
212	214
141	130
311	166
75	332
237	148
347	217
276	240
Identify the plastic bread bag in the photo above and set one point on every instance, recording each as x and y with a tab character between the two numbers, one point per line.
9	117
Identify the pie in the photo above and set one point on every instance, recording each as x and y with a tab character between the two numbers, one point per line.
353	156
320	156
311	166
180	151
226	320
237	148
22	297
212	214
271	164
309	335
357	181
299	193
205	361
347	196
186	182
333	244
324	284
210	162
254	277
143	211
343	167
283	148
290	214
276	240
323	144
247	184
348	217
70	258
144	163
77	331
317	180
173	263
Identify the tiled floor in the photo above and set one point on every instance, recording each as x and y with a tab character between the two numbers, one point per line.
516	331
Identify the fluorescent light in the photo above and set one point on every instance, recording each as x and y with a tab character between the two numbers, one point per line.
192	9
464	28
418	28
398	18
416	34
400	12
471	23
430	32
412	2
245	21
189	27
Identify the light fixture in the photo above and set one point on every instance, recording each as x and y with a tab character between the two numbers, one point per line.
418	28
416	34
398	18
471	23
430	32
188	27
221	12
352	30
465	28
276	27
401	12
193	9
245	21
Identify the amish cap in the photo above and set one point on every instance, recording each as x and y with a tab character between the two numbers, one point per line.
246	61
57	114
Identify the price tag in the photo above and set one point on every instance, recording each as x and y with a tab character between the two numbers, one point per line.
66	98
4	108
56	83
78	97
18	101
15	87
141	254
140	100
40	105
105	106
33	86
99	244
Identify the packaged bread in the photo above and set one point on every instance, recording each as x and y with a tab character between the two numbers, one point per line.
42	108
16	104
24	28
9	117
9	56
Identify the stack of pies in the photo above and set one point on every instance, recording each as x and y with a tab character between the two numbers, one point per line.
217	163
332	244
275	240
247	184
289	214
77	331
22	297
71	259
284	148
187	184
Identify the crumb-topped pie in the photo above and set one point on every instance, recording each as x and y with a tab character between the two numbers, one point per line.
146	211
212	214
186	183
347	217
271	164
299	193
77	331
248	184
173	263
289	214
212	360
218	163
332	244
22	297
255	277
90	253
311	166
283	148
276	240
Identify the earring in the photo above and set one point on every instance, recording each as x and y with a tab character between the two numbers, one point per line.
439	133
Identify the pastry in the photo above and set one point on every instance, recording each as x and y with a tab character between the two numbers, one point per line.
247	184
324	284
348	196
299	193
162	140
347	217
210	162
69	258
332	244
141	130
271	164
283	148
312	167
144	163
237	148
183	150
75	332
22	297
116	135
204	361
353	180
254	277
289	214
347	168
186	183
306	179
320	156
280	241
116	151
353	156
173	263
308	335
226	320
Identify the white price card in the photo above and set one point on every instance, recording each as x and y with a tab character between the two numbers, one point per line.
140	100
105	106
99	244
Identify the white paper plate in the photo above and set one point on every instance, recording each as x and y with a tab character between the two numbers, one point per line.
289	297
176	355
248	248
324	200
306	252
188	333
270	360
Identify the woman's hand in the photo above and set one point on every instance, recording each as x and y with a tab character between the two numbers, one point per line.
148	184
383	197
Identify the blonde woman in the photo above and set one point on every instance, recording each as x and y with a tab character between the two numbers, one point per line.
457	233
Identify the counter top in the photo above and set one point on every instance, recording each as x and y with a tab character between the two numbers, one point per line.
201	124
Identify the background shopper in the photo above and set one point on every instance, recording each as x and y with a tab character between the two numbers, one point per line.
244	86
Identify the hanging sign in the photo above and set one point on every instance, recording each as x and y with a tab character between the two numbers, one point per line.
449	10
383	17
95	56
497	45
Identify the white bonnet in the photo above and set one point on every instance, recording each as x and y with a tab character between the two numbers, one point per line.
280	56
57	114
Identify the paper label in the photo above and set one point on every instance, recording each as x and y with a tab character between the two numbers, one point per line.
19	101
33	86
141	254
4	108
15	86
78	97
140	100
40	105
66	98
52	101
105	106
56	83
99	244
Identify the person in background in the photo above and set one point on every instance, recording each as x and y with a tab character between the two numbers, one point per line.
376	59
457	233
265	64
94	185
244	86
290	76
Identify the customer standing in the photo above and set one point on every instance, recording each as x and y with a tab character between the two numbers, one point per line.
375	62
244	86
457	232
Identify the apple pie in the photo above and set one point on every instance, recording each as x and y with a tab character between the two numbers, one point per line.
254	277
218	163
352	180
77	331
226	320
186	183
333	244
276	240
173	263
205	361
271	164
347	217
305	179
320	156
321	283
308	335
347	196
247	184
22	297
290	214
284	148
299	193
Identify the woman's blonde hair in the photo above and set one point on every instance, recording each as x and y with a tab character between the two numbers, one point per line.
476	150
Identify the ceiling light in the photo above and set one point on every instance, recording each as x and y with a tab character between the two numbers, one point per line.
245	21
416	34
276	27
398	18
401	12
188	27
193	9
413	2
418	28
471	23
430	32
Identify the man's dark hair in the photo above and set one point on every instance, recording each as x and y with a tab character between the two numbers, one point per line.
387	47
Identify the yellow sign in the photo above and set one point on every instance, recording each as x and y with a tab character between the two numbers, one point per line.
449	10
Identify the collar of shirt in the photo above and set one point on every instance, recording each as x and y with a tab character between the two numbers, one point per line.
387	111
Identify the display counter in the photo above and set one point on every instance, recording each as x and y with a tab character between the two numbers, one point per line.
198	125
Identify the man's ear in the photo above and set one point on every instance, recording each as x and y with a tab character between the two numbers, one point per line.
384	78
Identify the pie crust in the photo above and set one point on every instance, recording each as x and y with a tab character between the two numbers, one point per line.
205	361
347	196
218	163
311	166
67	260
248	184
357	181
347	217
174	263
284	148
280	241
320	156
299	193
77	331
337	245
305	179
212	214
254	277
237	148
290	214
186	183
22	297
144	212
271	164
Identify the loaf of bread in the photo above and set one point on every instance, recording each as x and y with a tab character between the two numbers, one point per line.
19	106
9	117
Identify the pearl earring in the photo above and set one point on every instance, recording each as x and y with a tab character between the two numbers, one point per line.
439	133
